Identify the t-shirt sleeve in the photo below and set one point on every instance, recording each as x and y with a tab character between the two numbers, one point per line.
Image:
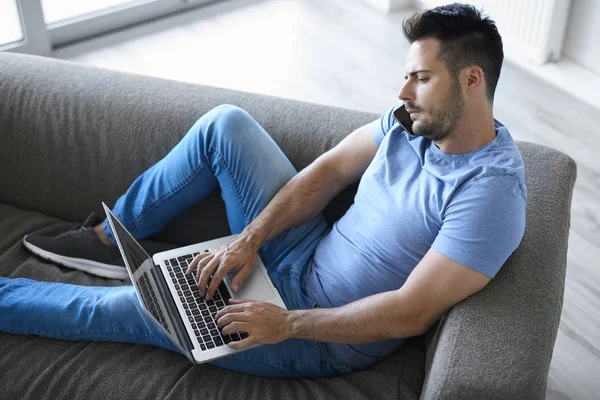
381	126
483	224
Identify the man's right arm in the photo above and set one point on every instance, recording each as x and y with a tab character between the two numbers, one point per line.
299	200
309	192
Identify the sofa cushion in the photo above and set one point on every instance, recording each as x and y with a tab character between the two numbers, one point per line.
36	367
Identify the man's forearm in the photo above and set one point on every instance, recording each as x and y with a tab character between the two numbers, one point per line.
300	199
371	319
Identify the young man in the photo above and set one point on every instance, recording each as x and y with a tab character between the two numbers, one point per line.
435	217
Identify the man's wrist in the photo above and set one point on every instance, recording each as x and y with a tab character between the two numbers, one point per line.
293	323
252	238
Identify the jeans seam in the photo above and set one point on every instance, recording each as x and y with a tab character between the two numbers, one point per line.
259	361
28	281
235	185
184	182
45	333
285	274
322	360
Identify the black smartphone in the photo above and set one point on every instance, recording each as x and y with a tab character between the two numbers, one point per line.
403	118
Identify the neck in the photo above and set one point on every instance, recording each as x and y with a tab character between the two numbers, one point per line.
473	131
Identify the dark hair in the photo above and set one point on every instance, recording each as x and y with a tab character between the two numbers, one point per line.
466	38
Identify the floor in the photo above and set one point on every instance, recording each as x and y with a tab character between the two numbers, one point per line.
343	53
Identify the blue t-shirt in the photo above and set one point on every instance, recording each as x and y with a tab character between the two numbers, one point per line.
413	197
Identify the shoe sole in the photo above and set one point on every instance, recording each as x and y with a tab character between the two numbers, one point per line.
80	264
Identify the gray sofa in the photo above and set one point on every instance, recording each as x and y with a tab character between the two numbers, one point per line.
73	136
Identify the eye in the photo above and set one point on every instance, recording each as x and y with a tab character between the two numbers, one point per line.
422	80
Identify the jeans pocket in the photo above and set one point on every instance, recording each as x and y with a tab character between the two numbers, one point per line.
287	279
310	302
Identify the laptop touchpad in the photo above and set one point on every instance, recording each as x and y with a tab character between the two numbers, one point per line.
255	287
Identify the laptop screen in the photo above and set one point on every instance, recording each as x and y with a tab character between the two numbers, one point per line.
146	278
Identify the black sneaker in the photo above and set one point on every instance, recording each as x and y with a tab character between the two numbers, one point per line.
80	249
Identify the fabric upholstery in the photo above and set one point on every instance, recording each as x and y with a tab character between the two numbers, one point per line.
70	142
73	136
116	125
35	367
499	343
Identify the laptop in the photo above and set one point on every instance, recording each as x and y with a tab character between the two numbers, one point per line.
173	302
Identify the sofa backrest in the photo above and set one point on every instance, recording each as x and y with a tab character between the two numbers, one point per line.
73	136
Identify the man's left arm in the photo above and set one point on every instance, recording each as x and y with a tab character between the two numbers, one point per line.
435	285
482	226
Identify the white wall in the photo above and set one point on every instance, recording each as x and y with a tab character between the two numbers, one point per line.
388	5
580	60
583	34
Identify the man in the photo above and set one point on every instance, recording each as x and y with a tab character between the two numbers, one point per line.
435	217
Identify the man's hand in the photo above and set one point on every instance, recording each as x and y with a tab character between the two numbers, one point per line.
435	285
238	255
265	323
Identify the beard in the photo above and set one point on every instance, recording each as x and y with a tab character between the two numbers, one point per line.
444	117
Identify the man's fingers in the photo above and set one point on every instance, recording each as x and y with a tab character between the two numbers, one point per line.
204	273
239	301
231	318
200	261
241	277
216	280
235	308
237	326
242	344
195	262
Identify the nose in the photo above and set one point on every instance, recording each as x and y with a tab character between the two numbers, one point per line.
406	94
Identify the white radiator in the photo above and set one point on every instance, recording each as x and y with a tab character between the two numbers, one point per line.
530	29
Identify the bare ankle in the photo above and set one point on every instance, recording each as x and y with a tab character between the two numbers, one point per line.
99	229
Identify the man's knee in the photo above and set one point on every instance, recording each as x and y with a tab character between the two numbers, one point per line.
230	115
122	301
226	124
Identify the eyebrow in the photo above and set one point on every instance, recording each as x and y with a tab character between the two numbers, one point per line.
416	72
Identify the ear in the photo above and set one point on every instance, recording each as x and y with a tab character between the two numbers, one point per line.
474	79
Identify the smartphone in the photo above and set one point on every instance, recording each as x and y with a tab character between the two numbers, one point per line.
403	118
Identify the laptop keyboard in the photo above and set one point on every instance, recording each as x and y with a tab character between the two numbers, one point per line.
200	312
151	302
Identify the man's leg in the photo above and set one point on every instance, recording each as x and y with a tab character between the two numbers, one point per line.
229	149
226	148
73	312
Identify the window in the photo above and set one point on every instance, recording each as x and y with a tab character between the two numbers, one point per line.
10	28
46	24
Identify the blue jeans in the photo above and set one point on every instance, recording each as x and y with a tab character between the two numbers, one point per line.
226	148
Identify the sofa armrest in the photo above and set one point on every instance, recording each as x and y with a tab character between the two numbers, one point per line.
498	343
